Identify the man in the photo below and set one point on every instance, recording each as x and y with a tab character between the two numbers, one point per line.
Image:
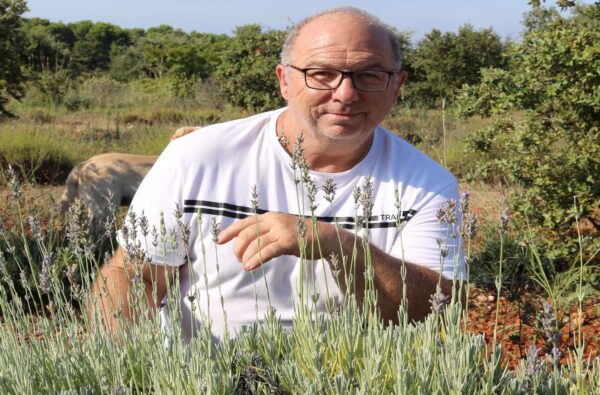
340	75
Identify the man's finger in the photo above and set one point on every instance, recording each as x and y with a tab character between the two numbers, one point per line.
246	237
234	229
265	254
255	246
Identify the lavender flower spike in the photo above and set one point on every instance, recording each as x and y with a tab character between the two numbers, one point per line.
464	202
438	302
447	212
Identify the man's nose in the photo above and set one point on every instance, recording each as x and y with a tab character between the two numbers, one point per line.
346	92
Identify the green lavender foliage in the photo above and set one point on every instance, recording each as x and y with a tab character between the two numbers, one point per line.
332	357
351	352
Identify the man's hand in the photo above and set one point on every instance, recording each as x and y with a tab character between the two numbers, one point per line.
261	238
111	289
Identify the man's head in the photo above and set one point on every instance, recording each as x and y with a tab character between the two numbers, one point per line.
286	55
344	106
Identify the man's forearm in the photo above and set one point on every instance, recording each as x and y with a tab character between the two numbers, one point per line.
113	286
421	282
110	294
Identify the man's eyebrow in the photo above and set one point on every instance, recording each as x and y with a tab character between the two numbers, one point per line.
367	65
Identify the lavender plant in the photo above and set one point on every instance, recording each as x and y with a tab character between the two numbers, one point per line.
349	352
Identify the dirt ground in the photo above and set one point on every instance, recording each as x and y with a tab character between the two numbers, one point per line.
518	326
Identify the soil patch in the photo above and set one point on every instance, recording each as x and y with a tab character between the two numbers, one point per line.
518	325
39	197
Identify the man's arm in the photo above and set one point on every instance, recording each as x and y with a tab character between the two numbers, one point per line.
279	235
421	282
112	285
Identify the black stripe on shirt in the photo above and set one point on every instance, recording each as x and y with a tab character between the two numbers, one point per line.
239	212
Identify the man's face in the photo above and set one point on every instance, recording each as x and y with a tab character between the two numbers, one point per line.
343	42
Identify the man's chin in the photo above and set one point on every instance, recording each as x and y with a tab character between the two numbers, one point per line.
342	131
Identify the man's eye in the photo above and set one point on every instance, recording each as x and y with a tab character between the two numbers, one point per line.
370	76
323	75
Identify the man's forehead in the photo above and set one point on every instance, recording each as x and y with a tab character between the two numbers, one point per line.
346	22
335	38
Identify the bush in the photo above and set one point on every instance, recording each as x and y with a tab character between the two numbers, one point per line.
11	46
545	135
246	76
443	62
51	87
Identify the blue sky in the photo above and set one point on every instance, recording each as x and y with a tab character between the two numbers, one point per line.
222	16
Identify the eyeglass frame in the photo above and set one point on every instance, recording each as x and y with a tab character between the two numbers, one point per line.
344	74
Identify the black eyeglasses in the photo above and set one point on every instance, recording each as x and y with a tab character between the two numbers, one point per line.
328	79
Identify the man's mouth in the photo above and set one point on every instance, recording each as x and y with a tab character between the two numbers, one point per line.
344	114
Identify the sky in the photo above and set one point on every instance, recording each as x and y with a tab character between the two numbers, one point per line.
222	16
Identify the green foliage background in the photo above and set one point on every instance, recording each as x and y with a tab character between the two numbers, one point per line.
443	62
11	74
88	87
545	135
539	95
246	75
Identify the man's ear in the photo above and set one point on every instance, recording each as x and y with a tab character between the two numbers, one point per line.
400	81
283	85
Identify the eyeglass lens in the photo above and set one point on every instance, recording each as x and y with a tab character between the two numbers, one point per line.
363	80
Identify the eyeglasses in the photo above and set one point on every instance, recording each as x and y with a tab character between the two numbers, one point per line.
328	79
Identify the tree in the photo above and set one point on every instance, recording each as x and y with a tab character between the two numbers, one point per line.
11	43
162	48
48	45
444	62
539	18
545	134
94	44
127	63
246	76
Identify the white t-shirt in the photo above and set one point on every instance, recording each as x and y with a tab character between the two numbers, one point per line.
214	171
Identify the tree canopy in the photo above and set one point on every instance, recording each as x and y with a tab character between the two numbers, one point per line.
444	62
11	44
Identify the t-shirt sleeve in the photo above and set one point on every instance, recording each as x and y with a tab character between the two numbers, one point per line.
425	241
151	226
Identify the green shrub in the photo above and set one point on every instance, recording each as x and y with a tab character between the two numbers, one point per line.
11	57
49	88
545	135
103	92
442	62
246	76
